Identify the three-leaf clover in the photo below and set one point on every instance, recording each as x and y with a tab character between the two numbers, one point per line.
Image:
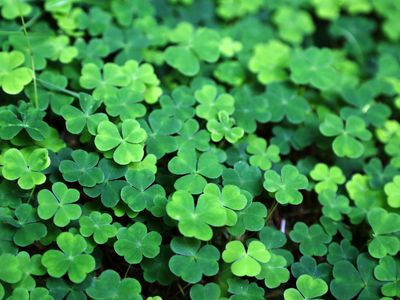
392	190
71	259
261	155
195	219
245	263
329	178
385	226
191	260
82	168
347	136
334	205
307	288
109	286
127	143
312	239
211	102
59	204
286	186
99	225
192	47
135	242
25	166
194	168
13	77
224	128
388	271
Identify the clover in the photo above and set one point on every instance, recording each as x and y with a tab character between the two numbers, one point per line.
223	128
308	265
245	262
230	198
179	103
286	103
82	168
191	261
86	117
211	102
314	66
244	289
261	155
29	229
126	143
210	291
385	226
195	220
109	285
13	77
194	168
140	193
392	190
244	176
347	136
329	178
312	239
286	186
126	104
307	288
72	258
251	218
58	204
271	69
134	243
191	137
192	47
97	225
334	205
26	166
387	271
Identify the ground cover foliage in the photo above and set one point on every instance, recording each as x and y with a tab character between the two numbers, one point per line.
184	149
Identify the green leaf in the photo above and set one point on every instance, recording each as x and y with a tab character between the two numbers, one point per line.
388	271
392	190
312	239
97	225
13	77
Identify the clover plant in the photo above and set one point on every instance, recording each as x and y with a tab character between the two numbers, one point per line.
203	150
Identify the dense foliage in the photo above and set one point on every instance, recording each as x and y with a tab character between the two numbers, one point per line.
199	149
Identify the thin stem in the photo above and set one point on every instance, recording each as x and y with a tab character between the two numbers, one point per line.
36	99
127	271
30	195
52	86
271	212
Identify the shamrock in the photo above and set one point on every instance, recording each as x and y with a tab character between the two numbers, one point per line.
194	168
13	77
156	269
209	291
269	61
308	265
191	261
223	128
312	239
126	104
230	72
349	282
99	225
109	286
29	228
347	142
192	47
58	204
34	294
77	120
251	218
10	270
211	102
71	259
242	289
244	176
191	136
379	175
135	242
179	103
30	267
195	220
82	168
307	288
385	226
314	66
96	21
342	251
140	193
388	271
329	178
261	155
127	142
26	120
25	166
293	24
334	205
108	189
245	263
392	190
104	84
286	185
160	128
230	198
283	102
